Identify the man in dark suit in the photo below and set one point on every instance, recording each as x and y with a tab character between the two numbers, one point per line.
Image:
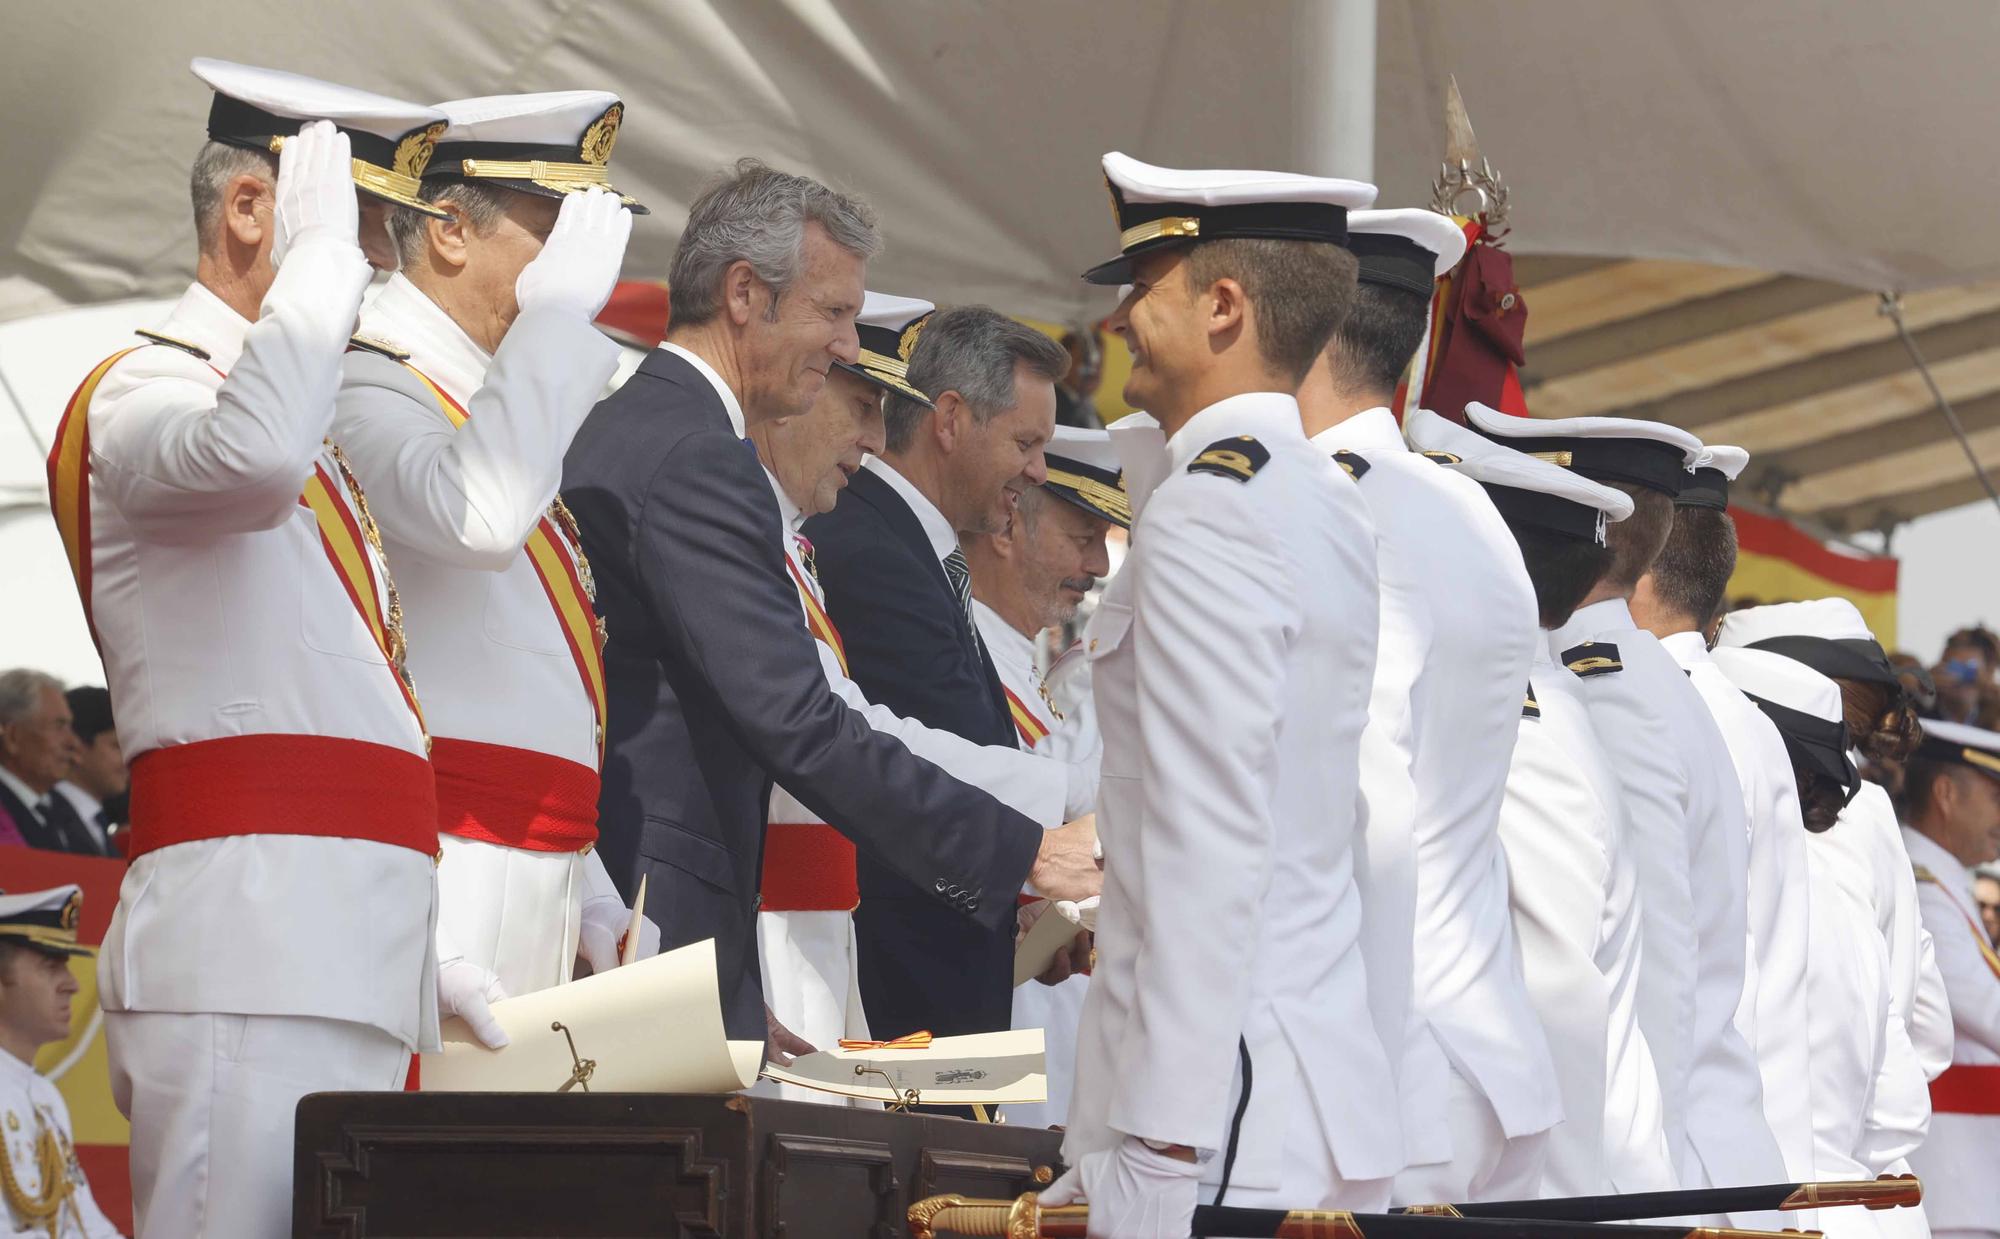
715	686
898	589
37	751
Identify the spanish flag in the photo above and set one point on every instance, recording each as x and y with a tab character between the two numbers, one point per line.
1776	561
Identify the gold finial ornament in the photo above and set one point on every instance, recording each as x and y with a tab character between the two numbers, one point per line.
1465	170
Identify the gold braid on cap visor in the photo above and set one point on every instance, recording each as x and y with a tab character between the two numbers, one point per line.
891	370
563	177
1107	499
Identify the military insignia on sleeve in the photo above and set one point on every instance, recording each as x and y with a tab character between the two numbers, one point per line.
1237	458
1530	708
195	350
382	348
1443	458
1353	464
1593	658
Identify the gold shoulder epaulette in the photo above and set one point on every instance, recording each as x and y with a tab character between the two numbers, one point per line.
1530	708
1925	875
1353	463
367	345
1592	658
194	349
1238	458
1443	458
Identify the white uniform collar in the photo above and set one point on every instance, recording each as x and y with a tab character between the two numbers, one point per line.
1598	619
1265	414
1930	854
1542	655
202	319
788	512
1687	648
1005	642
730	405
1372	430
12	782
11	1066
943	538
404	315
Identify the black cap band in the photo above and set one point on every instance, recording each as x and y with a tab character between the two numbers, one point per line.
1145	226
1637	462
1845	658
1707	488
1817	745
1394	261
1541	510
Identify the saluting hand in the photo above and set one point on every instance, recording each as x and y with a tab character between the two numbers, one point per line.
1066	866
579	263
315	195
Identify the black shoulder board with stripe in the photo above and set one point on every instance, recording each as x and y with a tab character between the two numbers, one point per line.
1237	458
1354	463
170	342
1593	658
367	345
1530	708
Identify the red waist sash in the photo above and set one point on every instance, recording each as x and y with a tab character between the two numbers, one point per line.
808	867
516	798
282	785
1966	1089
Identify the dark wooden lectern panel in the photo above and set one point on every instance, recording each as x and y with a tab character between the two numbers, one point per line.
625	1164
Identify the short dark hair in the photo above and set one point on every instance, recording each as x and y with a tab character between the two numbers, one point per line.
482	206
1563	570
973	350
1636	541
1374	344
1920	779
1691	573
89	712
1301	291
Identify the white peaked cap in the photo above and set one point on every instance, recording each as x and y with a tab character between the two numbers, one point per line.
298	97
1784	681
1834	619
553	118
1495	465
1144	182
1724	459
1436	234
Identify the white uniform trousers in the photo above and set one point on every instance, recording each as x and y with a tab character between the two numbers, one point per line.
1056	1010
211	1098
813	988
1485	1164
1306	1172
511	911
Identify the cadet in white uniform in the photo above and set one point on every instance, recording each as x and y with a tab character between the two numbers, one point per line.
43	1191
274	934
473	368
1684	807
805	926
1457	635
1573	883
1951	797
1231	658
1028	579
1680	601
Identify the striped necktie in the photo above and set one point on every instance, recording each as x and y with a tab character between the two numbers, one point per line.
960	575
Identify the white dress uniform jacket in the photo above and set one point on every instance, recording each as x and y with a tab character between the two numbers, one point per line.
1574	890
34	1122
1048	731
1957	1161
1469	662
808	950
1686	813
1231	659
514	724
221	619
1777	913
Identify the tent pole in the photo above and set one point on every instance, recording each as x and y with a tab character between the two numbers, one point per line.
1333	131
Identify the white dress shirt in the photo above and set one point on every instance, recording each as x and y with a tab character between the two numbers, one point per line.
1231	660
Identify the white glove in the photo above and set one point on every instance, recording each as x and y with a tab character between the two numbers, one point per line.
1082	914
1134	1192
579	263
468	991
315	196
600	937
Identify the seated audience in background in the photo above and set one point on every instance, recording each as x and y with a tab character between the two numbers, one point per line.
97	786
1076	391
1964	675
1986	889
37	751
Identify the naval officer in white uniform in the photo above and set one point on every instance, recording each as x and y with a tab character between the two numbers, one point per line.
1219	1056
274	933
1457	635
1680	600
1025	581
805	922
1572	876
1686	811
472	369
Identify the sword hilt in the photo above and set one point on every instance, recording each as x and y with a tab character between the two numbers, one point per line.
1022	1218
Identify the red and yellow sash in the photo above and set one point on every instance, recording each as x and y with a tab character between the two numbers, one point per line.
557	566
817	620
347	539
1030	725
69	479
1972	922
